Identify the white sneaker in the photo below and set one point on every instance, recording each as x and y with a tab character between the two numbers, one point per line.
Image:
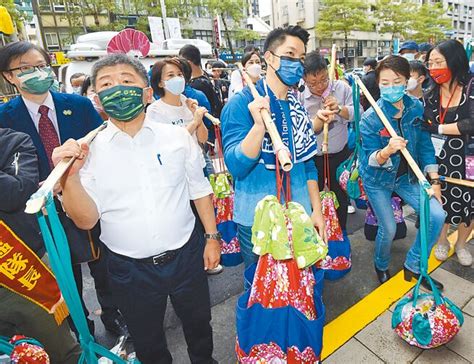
441	252
215	270
351	209
464	257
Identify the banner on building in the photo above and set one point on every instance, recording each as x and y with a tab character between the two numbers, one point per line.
396	45
156	30
174	28
217	32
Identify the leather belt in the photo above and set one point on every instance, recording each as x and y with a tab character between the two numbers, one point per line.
160	259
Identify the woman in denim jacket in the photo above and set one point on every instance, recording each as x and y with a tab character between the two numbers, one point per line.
384	170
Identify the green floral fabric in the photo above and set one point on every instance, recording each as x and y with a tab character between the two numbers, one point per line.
221	184
270	233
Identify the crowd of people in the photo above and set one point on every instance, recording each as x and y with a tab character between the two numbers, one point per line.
140	194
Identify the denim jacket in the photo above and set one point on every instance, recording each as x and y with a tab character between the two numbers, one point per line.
374	138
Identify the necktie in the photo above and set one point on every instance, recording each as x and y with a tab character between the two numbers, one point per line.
47	133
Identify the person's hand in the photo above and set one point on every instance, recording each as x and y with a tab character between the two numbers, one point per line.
330	103
430	126
69	149
320	225
325	115
199	114
191	104
258	104
395	144
437	193
212	254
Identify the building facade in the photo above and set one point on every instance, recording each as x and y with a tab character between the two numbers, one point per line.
306	14
462	14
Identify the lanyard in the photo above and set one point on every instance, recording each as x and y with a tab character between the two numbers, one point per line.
442	115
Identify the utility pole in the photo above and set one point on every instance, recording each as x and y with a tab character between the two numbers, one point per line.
163	16
36	12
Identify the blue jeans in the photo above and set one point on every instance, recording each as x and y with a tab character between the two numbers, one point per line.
379	199
244	234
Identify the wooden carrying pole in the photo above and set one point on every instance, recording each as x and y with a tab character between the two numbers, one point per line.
411	162
332	76
212	119
280	149
456	181
38	199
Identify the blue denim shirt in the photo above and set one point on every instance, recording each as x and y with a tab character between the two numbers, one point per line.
419	142
253	181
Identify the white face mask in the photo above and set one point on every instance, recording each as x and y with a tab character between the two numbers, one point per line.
175	85
409	56
412	84
254	70
76	90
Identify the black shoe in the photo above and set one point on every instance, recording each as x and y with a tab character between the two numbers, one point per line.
382	275
409	275
117	326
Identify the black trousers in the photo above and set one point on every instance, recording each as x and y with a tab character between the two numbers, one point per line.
142	290
334	161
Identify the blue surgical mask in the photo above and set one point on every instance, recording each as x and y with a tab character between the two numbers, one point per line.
392	93
409	56
76	90
290	71
175	85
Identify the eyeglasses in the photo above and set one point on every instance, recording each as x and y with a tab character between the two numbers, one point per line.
320	83
437	64
31	69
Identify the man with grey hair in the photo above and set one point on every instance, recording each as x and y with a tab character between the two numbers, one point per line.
137	179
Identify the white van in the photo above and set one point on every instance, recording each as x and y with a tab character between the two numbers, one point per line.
92	46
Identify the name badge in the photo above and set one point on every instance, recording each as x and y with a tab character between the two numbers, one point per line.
438	143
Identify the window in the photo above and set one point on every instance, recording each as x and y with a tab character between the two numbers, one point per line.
206	35
66	39
52	40
44	5
59	6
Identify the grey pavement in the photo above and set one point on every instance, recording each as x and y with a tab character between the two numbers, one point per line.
377	343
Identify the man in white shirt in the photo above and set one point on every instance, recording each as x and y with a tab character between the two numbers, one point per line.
137	178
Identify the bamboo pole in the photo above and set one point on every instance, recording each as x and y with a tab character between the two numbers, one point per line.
332	76
411	162
38	199
456	181
279	148
212	119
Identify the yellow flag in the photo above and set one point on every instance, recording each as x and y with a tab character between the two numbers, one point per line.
6	23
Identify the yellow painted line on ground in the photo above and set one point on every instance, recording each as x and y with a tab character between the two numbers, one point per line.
345	326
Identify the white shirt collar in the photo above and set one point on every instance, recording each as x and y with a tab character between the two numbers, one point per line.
111	131
33	107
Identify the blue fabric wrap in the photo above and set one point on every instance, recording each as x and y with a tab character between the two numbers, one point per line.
285	326
228	229
338	249
60	259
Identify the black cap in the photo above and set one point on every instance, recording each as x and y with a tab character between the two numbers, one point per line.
372	62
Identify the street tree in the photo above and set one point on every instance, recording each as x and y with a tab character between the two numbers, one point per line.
430	23
343	17
16	16
395	17
227	9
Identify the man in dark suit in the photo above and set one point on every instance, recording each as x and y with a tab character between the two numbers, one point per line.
50	119
19	314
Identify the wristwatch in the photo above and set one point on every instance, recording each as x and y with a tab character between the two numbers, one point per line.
339	109
214	236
